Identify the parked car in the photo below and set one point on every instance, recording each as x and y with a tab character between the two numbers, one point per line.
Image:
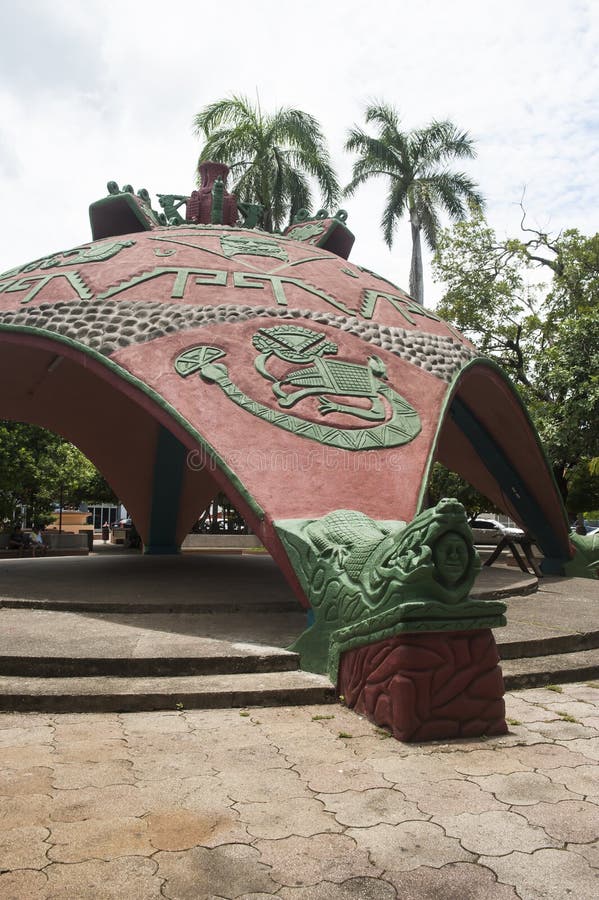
491	531
589	529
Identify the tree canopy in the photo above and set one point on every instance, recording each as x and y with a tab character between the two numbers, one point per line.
37	466
543	331
420	183
272	157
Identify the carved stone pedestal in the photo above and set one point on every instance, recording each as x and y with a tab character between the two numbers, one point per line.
431	686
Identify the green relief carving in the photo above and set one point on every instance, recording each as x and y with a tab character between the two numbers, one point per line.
403	305
219	277
306	232
369	580
207	276
277	282
171	203
232	245
397	421
33	284
218	195
586	560
94	253
350	273
251	212
380	277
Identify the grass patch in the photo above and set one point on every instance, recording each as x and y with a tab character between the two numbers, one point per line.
319	718
567	717
383	733
514	722
244	714
593	684
556	688
345	734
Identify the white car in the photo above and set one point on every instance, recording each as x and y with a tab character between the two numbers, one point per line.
491	531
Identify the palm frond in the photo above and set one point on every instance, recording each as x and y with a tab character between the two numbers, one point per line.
453	191
385	116
427	215
236	109
439	142
297	191
395	207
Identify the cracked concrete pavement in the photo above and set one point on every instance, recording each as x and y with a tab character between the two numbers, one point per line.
302	803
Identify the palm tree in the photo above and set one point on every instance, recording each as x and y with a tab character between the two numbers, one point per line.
419	182
271	157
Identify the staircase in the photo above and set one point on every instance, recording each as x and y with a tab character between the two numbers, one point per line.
136	633
64	660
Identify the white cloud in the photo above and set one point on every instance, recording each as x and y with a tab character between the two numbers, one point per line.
107	90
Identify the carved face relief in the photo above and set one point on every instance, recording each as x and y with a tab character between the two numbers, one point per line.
451	558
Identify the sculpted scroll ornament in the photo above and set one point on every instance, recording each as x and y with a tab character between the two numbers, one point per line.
369	580
585	563
396	421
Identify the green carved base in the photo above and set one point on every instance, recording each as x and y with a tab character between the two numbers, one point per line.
586	560
369	580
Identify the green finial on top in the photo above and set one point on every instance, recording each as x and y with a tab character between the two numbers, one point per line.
218	193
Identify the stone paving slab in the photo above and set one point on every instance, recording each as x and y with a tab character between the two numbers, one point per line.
301	803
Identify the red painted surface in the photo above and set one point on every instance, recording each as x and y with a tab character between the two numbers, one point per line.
199	206
289	475
195	248
431	686
286	475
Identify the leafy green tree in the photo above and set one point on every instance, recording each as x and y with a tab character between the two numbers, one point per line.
420	184
545	333
37	467
583	490
271	156
444	483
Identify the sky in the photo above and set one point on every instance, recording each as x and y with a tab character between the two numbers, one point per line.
98	91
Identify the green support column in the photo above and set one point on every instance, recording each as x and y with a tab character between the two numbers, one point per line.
166	493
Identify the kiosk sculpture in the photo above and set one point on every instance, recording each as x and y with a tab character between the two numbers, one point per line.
186	353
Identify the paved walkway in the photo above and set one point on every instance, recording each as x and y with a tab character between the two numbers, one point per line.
309	803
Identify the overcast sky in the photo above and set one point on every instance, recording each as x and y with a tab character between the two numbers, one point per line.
94	91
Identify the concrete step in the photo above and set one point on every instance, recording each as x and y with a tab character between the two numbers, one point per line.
546	645
536	671
159	605
106	694
269	660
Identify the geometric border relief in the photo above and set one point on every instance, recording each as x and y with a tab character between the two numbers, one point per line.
107	326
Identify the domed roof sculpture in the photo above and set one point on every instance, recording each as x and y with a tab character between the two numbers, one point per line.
186	354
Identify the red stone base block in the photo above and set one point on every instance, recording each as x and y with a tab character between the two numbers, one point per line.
427	686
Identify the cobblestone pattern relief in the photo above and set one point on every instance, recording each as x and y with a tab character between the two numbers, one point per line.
106	326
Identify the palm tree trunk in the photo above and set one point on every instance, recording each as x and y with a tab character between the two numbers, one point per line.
416	280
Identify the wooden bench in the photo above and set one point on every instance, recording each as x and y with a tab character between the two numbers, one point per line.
512	544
